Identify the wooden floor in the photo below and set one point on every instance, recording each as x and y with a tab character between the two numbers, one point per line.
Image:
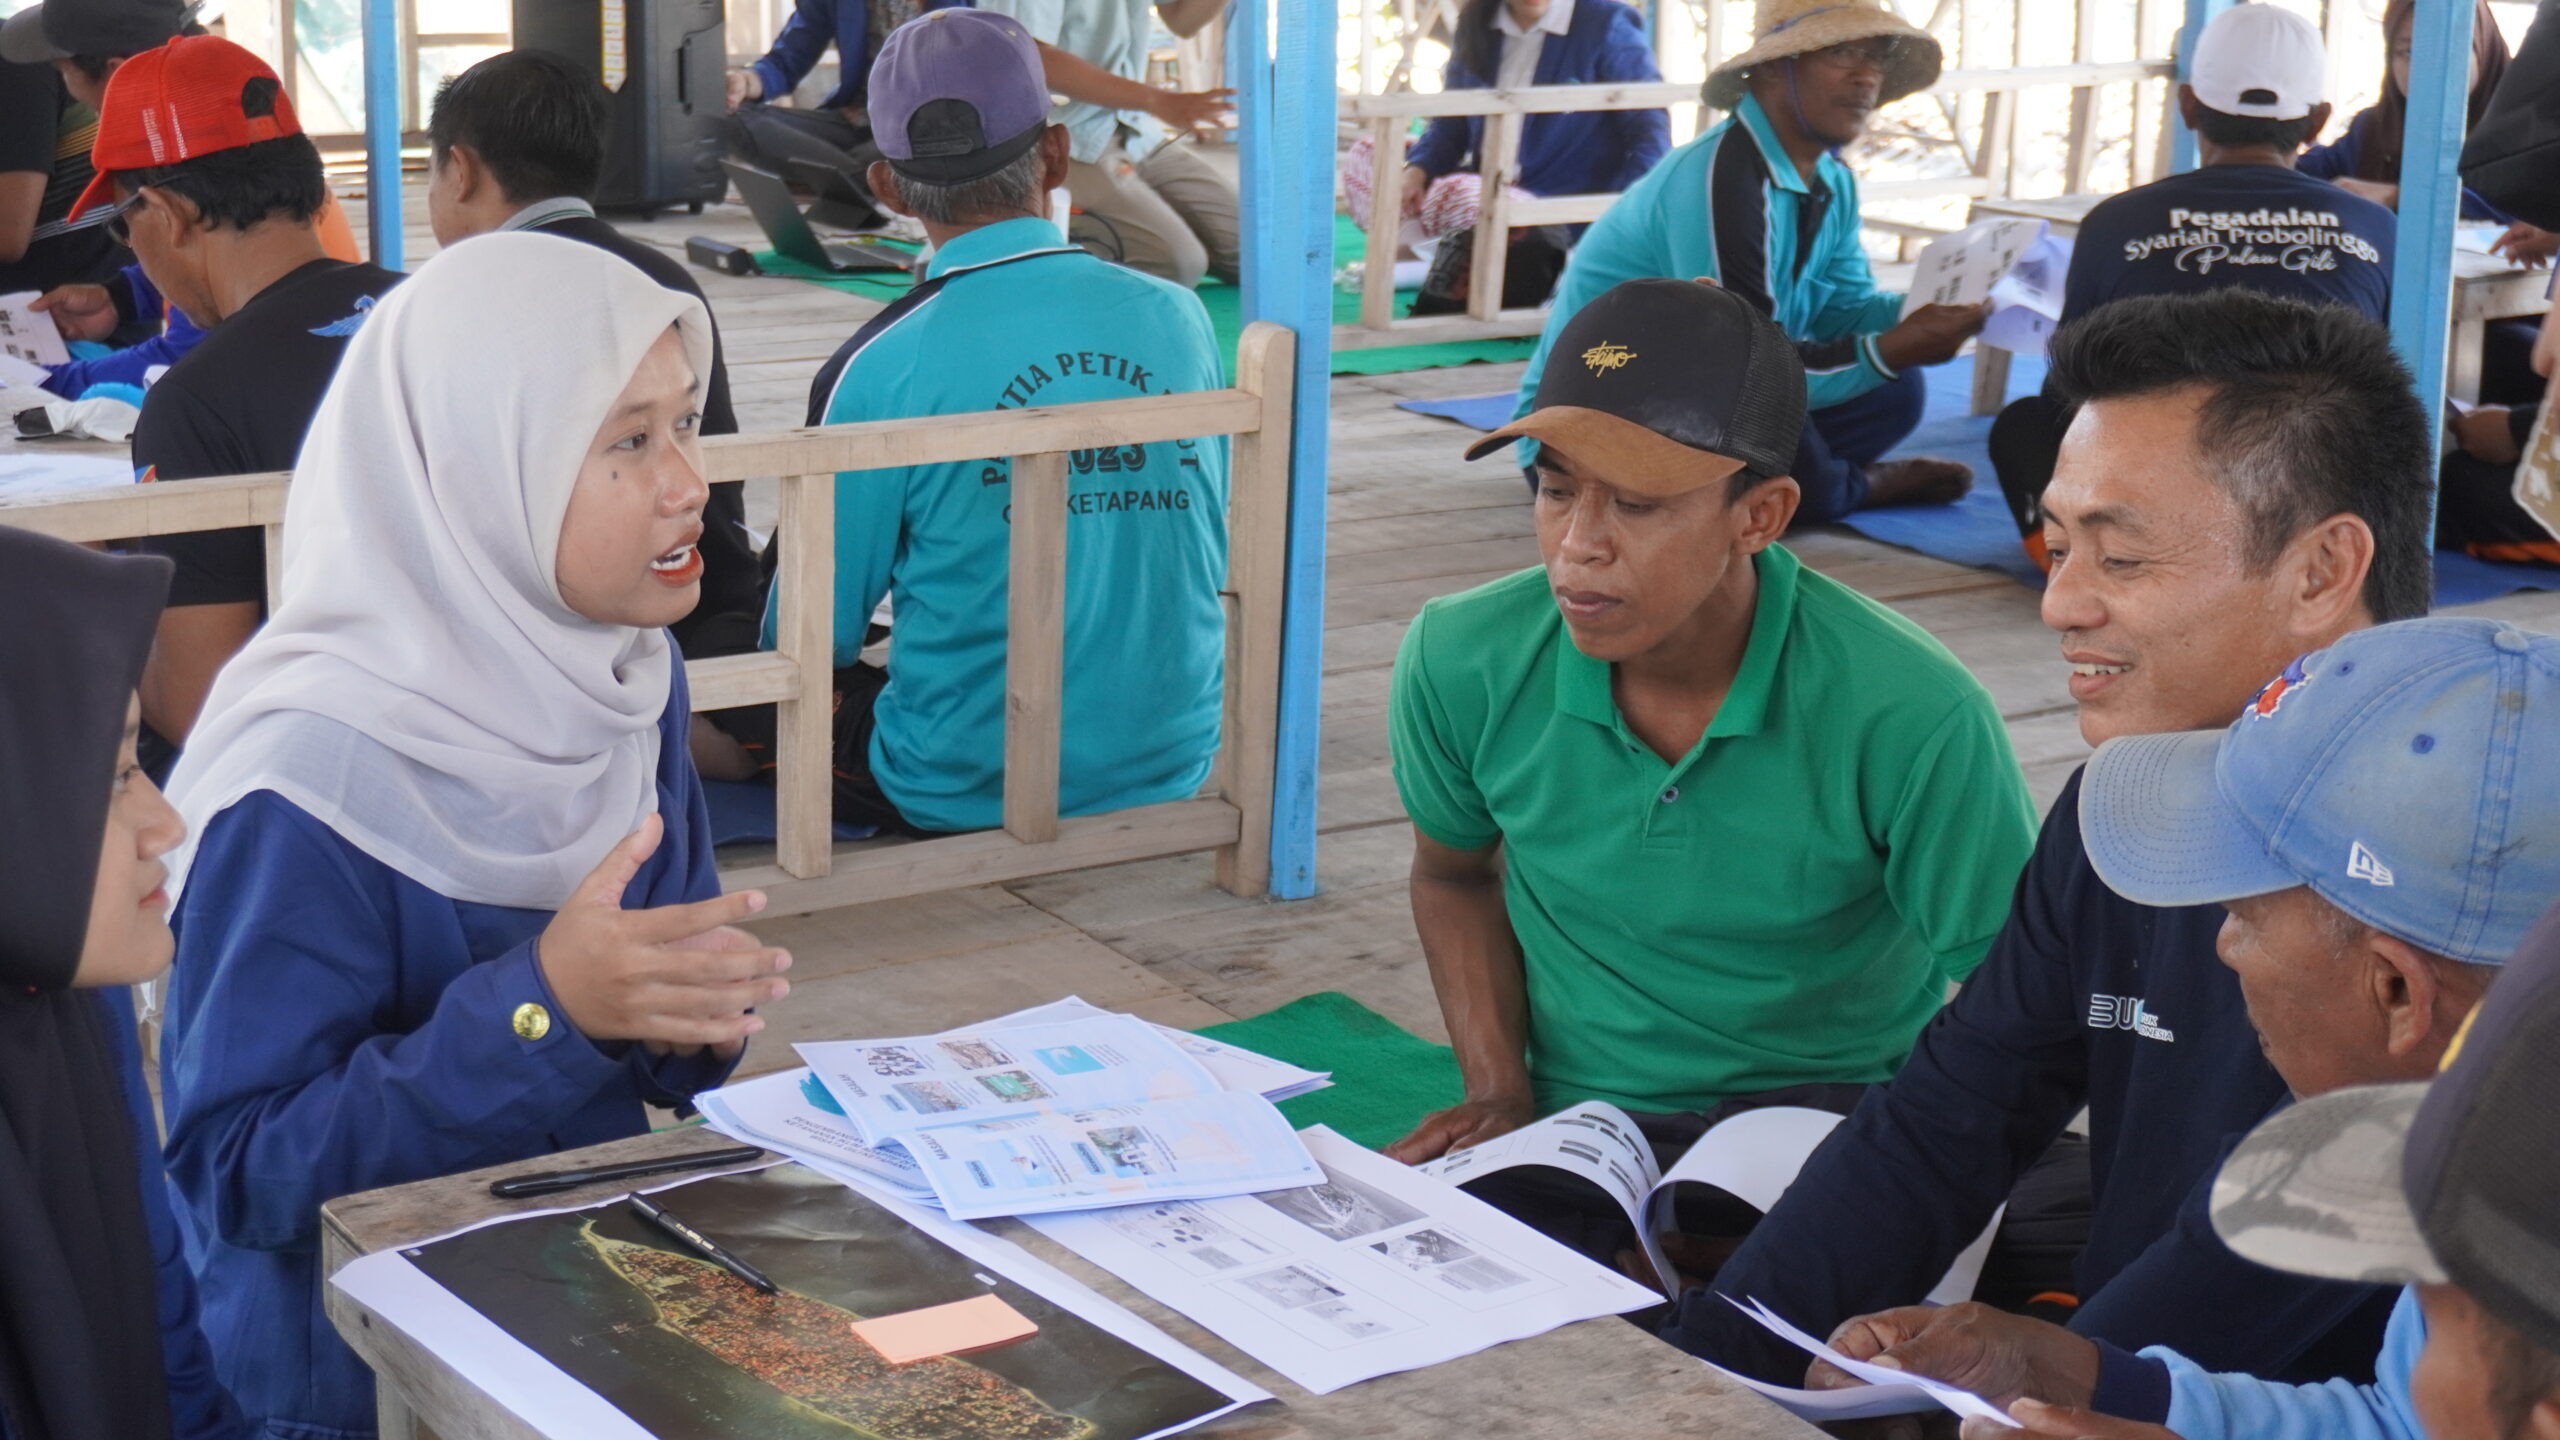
1409	520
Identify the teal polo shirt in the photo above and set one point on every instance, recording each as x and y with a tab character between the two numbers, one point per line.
1784	904
1010	316
1731	206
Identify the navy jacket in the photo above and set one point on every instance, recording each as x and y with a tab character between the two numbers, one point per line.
335	1026
2338	158
1574	154
814	25
2086	998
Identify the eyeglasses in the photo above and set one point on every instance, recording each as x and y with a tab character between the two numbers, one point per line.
1878	53
119	221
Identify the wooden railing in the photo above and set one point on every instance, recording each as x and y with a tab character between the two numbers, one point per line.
1388	117
809	872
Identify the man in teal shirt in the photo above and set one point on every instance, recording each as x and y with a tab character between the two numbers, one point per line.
1762	206
1695	828
1010	315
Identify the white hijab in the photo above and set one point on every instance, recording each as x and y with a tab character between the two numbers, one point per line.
422	689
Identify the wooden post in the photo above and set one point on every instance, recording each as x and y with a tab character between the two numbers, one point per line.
804	631
1493	215
1386	223
2084	102
1257	580
1991	156
1034	645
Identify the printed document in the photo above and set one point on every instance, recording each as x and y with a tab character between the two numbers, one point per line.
1964	1403
1753	1156
1026	1119
1378	1269
1961	268
29	334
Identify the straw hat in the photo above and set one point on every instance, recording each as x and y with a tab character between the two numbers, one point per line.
1800	27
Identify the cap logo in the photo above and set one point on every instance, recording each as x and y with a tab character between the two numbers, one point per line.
1607	356
2273	696
2363	864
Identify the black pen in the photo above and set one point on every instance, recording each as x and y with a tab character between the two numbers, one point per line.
548	1182
657	1215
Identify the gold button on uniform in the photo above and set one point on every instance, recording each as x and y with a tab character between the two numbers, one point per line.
532	1022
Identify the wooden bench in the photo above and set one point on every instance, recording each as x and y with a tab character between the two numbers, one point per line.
809	871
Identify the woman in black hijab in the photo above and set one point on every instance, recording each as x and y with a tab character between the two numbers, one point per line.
97	1311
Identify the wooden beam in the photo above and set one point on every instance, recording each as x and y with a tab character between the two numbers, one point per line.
729	681
1256	594
177	507
935	440
887	871
1501	155
804	634
1035	644
1659	95
1386	222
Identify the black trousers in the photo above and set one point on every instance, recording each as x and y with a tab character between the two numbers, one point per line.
858	798
766	136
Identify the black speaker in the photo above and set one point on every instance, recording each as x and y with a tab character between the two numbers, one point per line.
663	142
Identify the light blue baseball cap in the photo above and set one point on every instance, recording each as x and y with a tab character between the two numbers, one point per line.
2409	774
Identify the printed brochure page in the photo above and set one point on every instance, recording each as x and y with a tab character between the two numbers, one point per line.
892	1087
1381	1268
1206	1146
792	1113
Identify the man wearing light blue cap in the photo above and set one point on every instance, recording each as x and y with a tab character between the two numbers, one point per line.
2381	825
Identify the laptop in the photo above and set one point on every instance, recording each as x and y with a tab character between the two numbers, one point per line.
834	198
783	224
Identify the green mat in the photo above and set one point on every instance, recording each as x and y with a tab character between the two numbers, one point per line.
1385	1079
1225	304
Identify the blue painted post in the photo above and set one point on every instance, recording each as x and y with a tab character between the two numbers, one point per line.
2182	141
2430	203
1285	107
382	130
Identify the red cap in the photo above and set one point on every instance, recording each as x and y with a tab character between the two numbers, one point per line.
187	98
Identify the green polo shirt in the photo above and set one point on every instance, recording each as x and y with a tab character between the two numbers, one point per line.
1784	904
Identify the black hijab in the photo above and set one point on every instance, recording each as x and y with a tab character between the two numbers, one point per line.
80	1355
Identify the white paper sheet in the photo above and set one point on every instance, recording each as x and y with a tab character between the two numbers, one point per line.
793	1113
891	1087
1381	1269
555	1404
1963	1402
23	375
29	334
1961	268
1594	1140
1196	1148
1823	1407
26	472
2536	486
1233	1067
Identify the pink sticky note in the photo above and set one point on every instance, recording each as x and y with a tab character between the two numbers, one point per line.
953	1329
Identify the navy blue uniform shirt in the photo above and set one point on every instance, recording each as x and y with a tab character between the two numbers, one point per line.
334	1026
2262	227
2086	998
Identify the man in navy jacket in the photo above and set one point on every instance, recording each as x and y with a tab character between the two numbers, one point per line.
2243	482
1580	42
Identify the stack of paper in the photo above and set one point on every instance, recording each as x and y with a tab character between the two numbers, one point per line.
1060	1108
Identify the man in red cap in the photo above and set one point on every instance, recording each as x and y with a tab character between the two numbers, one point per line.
217	191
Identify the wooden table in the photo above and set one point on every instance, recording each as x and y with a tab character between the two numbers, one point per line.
2485	288
1597	1380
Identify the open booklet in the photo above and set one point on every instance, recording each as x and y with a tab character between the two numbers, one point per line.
1753	1157
1010	1118
2018	265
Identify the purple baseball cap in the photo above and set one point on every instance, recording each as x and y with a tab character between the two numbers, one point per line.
957	95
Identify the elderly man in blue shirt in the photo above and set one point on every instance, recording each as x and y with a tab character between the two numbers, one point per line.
1010	315
1762	205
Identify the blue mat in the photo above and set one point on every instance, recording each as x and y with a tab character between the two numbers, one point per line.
1977	530
742	814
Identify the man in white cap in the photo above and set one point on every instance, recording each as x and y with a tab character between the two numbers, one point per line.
2245	216
1762	205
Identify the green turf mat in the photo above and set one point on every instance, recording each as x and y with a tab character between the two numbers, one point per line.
1225	304
1384	1078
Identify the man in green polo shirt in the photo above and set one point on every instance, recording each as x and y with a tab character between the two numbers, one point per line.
1695	826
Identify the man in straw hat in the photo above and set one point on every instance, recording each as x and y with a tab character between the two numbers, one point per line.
2377	824
1762	206
1695	828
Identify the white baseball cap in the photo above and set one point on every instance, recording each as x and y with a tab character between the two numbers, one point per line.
2261	61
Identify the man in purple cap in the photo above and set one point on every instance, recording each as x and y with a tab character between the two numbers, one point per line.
1007	315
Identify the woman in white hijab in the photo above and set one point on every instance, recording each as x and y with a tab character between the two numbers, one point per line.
453	902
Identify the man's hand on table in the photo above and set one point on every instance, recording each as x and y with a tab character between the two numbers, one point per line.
2530	246
80	312
1471	1122
1931	335
1996	1355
